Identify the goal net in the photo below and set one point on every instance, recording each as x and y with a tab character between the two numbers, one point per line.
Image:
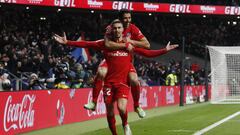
225	74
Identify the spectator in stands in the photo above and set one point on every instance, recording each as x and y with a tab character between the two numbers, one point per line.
5	84
35	83
63	76
171	79
78	81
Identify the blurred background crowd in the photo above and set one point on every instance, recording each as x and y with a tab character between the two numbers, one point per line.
31	59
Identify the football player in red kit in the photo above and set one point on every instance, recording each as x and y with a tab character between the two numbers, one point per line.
133	35
116	86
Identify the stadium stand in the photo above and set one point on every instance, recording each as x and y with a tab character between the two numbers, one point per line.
27	45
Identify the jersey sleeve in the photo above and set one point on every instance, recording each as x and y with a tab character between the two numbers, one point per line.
150	53
136	33
99	44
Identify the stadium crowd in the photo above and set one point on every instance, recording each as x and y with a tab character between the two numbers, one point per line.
29	52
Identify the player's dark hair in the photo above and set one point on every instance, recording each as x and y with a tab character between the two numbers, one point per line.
122	12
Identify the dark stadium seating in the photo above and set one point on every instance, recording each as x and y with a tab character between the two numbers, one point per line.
27	44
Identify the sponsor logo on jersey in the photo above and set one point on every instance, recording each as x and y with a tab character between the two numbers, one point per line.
118	53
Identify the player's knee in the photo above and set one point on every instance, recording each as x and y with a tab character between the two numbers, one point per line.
101	74
134	82
122	108
133	79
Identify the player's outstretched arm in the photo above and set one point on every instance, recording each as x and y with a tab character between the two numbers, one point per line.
155	53
83	44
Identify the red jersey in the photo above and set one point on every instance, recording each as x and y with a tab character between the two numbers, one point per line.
118	61
132	31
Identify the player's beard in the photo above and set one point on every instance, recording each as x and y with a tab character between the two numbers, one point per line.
126	24
117	35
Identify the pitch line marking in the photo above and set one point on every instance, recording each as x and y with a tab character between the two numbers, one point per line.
216	124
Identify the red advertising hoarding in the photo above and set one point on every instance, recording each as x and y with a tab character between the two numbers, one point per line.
134	6
31	110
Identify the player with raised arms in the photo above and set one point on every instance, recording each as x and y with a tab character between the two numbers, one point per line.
116	86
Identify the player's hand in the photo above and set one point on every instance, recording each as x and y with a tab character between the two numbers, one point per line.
171	47
130	48
127	39
59	39
79	39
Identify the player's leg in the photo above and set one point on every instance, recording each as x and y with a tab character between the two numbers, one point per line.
135	90
122	93
111	118
109	101
122	108
98	85
98	82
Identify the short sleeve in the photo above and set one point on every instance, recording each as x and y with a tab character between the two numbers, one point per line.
136	33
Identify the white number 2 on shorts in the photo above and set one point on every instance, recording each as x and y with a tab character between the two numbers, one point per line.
108	91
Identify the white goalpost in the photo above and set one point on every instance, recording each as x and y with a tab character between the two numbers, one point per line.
225	74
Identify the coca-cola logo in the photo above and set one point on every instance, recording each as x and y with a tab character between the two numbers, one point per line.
207	9
101	108
150	6
19	115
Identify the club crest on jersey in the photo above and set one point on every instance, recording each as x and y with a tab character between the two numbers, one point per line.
117	53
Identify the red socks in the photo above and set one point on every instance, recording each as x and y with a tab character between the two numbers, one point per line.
124	118
136	95
98	85
111	124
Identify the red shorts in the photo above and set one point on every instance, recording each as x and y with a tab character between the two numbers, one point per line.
114	92
104	64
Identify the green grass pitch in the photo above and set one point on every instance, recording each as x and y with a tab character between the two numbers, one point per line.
173	120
